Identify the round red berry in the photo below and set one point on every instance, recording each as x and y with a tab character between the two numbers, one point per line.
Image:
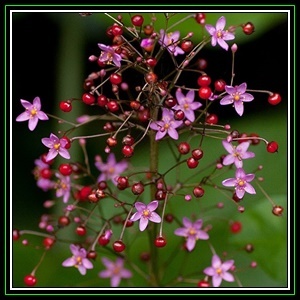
68	144
48	242
92	254
151	62
115	78
65	169
103	240
204	92
274	99
248	28
113	106
179	115
117	30
192	163
184	148
160	242
88	98
160	194
151	77
219	85
16	234
204	80
30	280
102	100
119	246
212	119
46	173
236	227
277	210
203	284
198	191
81	230
169	218
170	102
272	147
202	63
200	18
127	150
137	20
137	188
186	45
63	221
65	106
197	153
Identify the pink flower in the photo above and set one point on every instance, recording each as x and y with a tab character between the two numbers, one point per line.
187	104
145	213
114	270
170	40
218	34
111	169
32	113
63	187
43	183
108	55
236	153
241	183
57	146
167	125
78	259
218	270
237	96
192	232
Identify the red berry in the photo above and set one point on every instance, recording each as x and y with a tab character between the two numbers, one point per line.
198	191
204	92
197	153
102	100
203	284
43	158
16	234
119	246
65	106
46	173
212	119
248	28
113	106
144	115
272	147
160	195
88	98
137	20
151	62
111	142
200	18
135	105
236	227
170	102
274	99
115	78
277	210
179	115
151	77
184	148
202	63
242	137
254	141
220	85
103	240
122	182
186	45
129	223
137	188
68	144
63	221
160	242
81	230
204	80
169	218
48	242
84	193
117	30
148	29
65	169
30	280
192	163
91	254
127	150
128	140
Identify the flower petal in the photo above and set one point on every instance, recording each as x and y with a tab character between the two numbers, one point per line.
155	217
143	223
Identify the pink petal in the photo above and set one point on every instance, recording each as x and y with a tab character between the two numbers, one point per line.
228	277
249	188
125	273
173	133
228	36
42	116
246	97
187	222
211	29
115	280
223	44
216	261
229	182
140	206
202	235
221	23
152	205
216	281
181	232
228	146
23	117
227	265
190	243
81	269
242	88
64	153
26	104
226	100
228	160
32	123
198	224
136	216
159	135
69	262
210	271
155	217
143	223
37	103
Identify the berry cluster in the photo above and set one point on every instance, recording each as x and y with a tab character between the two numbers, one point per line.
140	113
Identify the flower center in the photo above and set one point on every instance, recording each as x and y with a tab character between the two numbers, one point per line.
167	126
241	182
186	106
219	34
146	213
33	112
78	260
219	271
56	146
236	97
192	231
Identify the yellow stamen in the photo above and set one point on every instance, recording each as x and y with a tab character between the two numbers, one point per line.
192	231
219	271
56	146
33	112
236	97
241	182
146	213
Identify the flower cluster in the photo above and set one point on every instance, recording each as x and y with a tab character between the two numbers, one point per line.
115	202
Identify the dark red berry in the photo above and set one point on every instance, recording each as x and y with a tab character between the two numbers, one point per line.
16	234
203	284
46	173
145	256
272	147
254	141
135	105
48	242
137	188
148	29
200	18
249	248
160	242
170	102
204	92
43	158
88	98
248	28
151	62
236	227
179	115
122	182
202	63
65	169
274	99
103	240
192	163
129	223
204	80
30	280
151	77
127	150
198	191
197	153
160	194
63	221
119	246
111	142
116	30
102	100
115	78
242	138
91	254
84	193
65	106
81	230
186	45
113	106
184	148
137	20
144	115
212	119
219	85
128	140
169	218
